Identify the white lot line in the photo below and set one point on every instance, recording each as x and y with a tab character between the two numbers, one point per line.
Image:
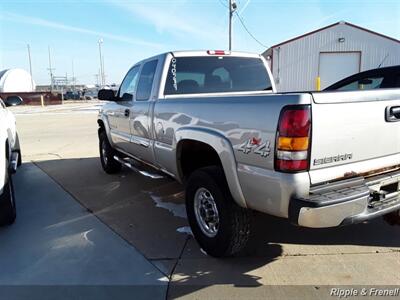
59	108
62	110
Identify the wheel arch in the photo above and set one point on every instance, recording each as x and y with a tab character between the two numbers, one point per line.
103	126
217	147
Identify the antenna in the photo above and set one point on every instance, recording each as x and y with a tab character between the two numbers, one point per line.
383	60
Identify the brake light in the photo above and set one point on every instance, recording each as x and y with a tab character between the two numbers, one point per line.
217	52
293	139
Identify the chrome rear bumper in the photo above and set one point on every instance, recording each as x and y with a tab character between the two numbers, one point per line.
347	202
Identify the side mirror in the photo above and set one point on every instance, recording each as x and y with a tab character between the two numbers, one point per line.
13	101
106	95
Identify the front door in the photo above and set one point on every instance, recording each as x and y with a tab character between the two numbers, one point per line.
140	114
120	131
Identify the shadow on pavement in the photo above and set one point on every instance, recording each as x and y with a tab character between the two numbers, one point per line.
149	213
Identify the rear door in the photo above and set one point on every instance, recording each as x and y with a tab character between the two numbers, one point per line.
354	132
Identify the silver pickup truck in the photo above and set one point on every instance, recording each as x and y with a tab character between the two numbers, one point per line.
213	121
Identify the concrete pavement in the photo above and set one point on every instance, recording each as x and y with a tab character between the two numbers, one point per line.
57	242
149	214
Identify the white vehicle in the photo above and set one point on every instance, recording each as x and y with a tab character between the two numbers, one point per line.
10	159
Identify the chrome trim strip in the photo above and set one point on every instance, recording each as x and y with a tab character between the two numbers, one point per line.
120	136
140	141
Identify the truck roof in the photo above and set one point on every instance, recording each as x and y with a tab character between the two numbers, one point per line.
213	52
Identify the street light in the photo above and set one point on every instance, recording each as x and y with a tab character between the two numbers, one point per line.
102	81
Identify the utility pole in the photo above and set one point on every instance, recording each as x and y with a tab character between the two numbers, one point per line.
232	9
102	81
51	71
73	76
96	76
30	65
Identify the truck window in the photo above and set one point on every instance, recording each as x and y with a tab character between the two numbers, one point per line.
368	83
146	81
128	85
216	74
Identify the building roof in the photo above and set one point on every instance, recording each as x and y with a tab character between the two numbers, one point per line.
329	26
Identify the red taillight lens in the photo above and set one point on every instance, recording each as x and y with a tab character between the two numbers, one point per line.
295	123
293	139
291	165
217	52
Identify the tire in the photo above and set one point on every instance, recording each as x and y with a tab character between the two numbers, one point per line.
232	233
8	212
393	218
107	153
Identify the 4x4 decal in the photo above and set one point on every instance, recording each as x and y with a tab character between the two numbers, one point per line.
257	146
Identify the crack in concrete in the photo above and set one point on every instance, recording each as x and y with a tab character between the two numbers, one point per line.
176	264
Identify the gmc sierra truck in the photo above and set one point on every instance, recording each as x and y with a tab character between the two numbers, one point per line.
213	121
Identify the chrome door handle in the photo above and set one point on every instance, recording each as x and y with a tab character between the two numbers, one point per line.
393	113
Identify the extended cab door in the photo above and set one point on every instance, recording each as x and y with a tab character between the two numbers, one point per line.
118	116
140	114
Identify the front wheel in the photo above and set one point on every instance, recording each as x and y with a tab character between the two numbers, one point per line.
7	201
220	226
107	153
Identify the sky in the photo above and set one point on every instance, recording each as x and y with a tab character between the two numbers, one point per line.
137	29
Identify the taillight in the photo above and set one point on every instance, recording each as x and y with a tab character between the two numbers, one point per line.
293	139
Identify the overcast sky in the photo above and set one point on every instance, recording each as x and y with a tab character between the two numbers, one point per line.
136	29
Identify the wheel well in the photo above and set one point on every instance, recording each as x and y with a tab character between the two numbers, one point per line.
193	155
101	126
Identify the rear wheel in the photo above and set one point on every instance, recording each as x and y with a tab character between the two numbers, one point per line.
220	226
7	200
107	153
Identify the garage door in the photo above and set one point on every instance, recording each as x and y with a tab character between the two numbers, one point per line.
334	66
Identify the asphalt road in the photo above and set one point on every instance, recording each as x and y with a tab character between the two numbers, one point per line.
60	144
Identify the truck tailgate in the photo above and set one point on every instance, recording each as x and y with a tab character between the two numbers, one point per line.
352	134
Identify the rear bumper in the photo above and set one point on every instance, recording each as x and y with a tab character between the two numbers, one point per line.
347	202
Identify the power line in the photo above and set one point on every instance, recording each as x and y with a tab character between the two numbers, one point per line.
223	4
248	31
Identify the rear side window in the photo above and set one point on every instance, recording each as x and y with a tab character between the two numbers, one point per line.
368	83
216	74
146	81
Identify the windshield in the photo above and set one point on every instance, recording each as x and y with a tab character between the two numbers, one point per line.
216	74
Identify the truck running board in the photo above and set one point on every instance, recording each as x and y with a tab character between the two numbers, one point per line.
130	165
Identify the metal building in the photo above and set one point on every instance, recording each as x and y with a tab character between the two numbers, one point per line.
330	54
